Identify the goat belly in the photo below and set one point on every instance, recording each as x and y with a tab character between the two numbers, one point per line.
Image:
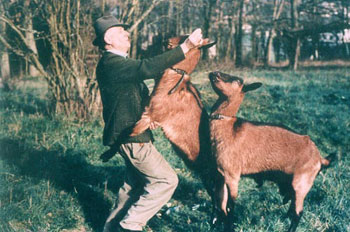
182	121
271	148
184	135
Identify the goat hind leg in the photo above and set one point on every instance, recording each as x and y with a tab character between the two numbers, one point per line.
295	212
301	185
295	221
142	125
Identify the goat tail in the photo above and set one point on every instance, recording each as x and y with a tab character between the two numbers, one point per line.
142	125
326	162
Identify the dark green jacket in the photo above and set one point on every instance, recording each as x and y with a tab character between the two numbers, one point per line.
124	94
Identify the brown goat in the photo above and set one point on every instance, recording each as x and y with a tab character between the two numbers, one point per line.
242	148
176	106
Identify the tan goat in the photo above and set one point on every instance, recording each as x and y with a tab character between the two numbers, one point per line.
176	106
242	148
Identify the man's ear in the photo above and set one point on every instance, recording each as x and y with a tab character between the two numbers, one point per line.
107	37
250	87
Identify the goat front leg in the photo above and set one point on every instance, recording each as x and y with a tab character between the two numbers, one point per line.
229	220
232	183
220	197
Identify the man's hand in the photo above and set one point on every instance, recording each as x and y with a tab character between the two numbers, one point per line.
193	40
154	125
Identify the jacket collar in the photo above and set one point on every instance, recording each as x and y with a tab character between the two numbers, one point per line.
119	53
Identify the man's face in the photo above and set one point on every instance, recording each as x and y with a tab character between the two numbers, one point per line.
118	38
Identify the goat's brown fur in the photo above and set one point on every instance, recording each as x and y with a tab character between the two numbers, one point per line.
179	114
176	106
242	147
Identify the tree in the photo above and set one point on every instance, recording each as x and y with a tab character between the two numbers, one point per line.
70	81
65	27
230	51
5	63
29	35
277	10
239	34
294	50
208	8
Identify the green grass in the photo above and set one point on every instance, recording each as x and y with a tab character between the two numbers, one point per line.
52	180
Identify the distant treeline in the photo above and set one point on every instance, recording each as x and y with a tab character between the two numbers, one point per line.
53	38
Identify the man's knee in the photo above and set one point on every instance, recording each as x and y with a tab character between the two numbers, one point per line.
173	180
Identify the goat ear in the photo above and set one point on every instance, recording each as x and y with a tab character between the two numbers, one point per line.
208	45
250	87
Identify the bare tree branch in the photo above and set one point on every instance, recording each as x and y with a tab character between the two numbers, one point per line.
145	14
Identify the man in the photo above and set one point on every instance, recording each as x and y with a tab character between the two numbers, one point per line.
150	181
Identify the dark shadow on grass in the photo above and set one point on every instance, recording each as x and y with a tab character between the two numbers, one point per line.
71	172
67	171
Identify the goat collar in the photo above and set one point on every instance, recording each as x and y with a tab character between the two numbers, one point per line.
179	71
220	117
182	73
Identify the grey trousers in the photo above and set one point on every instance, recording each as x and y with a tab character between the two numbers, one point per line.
149	184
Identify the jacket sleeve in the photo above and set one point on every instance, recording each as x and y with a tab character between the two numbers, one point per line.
148	68
136	70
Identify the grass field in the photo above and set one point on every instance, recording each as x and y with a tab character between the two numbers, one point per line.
52	180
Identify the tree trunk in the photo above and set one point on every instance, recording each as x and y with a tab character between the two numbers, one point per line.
230	48
278	48
103	6
295	40
5	66
254	55
169	24
135	36
297	54
29	35
239	35
269	48
5	62
269	51
178	18
134	32
208	5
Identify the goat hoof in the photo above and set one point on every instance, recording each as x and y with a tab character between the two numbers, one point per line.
214	221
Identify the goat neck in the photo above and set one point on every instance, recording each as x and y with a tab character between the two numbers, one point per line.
190	62
231	91
227	107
